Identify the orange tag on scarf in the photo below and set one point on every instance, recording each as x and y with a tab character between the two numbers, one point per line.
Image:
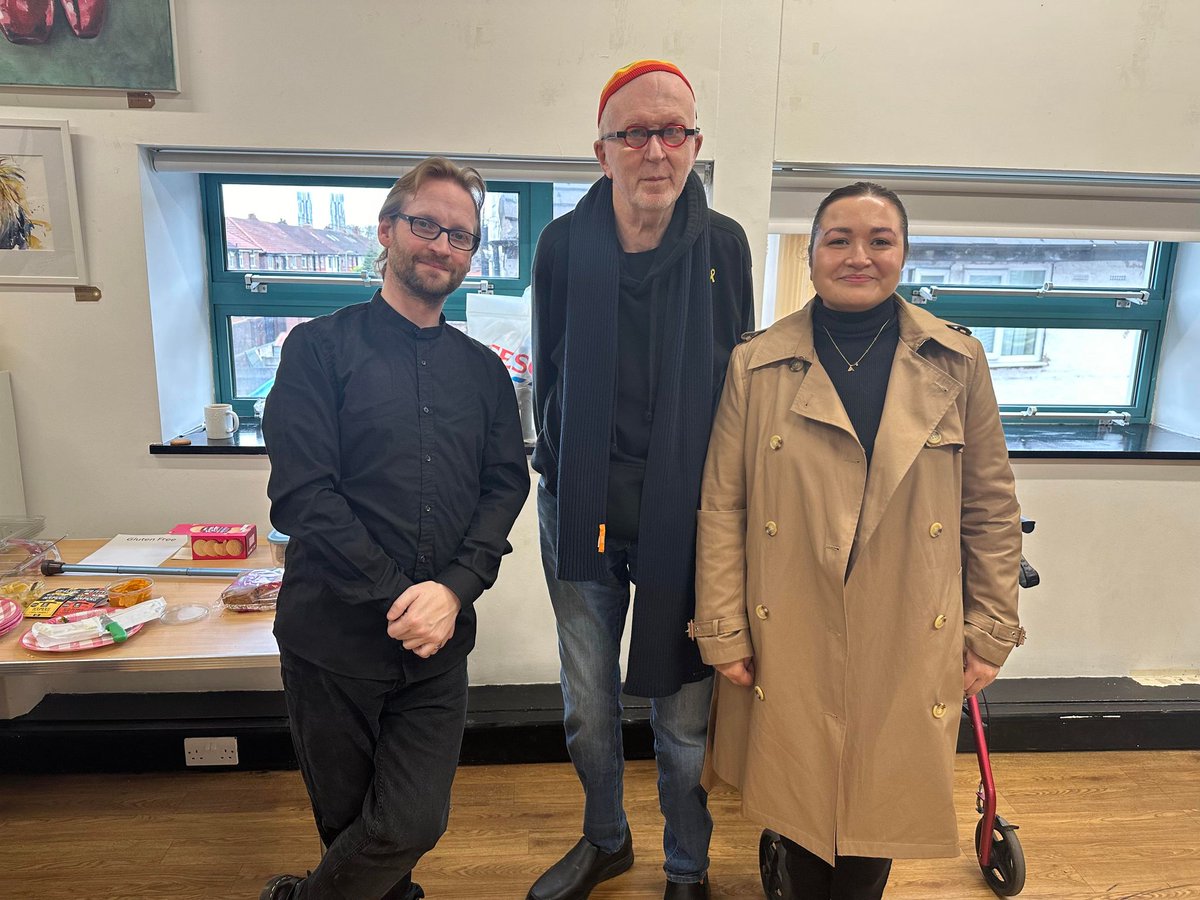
600	541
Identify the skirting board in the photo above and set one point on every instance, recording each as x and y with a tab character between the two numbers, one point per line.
523	724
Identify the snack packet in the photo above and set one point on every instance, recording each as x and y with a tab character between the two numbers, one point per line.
254	590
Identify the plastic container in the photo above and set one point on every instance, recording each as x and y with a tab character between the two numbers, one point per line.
23	557
184	613
17	527
130	591
278	541
23	591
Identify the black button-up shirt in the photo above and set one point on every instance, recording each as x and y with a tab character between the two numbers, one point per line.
396	457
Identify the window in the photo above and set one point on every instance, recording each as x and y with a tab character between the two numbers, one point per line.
1061	353
1054	340
925	275
325	228
1064	275
1012	346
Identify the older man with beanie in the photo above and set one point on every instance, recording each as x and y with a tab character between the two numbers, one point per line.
639	296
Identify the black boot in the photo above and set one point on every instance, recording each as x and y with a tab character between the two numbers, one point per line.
280	887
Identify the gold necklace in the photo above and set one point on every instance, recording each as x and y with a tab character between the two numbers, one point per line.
854	365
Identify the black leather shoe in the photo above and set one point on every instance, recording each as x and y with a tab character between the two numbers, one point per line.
696	890
584	867
279	887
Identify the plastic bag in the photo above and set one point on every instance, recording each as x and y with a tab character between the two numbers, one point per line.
254	590
503	323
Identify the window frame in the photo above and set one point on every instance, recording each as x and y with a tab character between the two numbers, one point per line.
228	296
1073	313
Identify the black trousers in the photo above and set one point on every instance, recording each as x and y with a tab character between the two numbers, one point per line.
378	759
851	878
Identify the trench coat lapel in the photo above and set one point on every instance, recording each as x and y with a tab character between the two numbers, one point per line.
818	399
918	395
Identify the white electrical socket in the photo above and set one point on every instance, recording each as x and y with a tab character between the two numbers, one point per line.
210	751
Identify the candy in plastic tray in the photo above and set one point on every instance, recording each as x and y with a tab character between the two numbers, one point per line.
22	556
16	527
254	590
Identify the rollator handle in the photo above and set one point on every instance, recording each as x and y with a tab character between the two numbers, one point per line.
1029	576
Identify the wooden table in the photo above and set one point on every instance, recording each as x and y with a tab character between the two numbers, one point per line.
223	640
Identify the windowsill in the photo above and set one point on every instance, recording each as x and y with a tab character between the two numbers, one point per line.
247	442
1025	441
1089	441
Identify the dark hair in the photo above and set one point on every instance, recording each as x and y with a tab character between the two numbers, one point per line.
859	189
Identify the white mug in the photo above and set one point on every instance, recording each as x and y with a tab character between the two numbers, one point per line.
220	421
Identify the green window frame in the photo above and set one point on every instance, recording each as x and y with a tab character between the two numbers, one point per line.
229	297
1018	311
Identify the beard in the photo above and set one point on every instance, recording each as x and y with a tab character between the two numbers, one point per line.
429	290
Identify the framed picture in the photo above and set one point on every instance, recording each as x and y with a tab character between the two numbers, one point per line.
40	238
123	45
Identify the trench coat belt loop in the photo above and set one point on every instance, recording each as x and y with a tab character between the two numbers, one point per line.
717	627
1012	634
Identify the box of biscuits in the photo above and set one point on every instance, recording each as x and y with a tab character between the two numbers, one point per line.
219	541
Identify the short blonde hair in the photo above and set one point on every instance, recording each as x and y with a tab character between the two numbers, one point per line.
435	168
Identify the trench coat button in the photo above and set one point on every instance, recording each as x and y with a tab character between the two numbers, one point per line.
796	365
758	692
935	438
939	622
776	442
939	710
935	530
771	528
761	611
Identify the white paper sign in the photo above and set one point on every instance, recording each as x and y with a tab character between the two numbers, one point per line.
136	550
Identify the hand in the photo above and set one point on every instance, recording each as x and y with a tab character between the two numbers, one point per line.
978	673
740	671
423	617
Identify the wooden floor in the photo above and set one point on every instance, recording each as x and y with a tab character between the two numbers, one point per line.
1093	825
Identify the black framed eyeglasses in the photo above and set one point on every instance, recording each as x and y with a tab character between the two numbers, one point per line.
637	136
429	230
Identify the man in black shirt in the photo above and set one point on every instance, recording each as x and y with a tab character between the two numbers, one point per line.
639	296
398	469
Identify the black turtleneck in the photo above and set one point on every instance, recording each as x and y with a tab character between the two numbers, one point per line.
863	390
640	320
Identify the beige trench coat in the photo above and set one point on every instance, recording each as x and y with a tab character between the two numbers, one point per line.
853	591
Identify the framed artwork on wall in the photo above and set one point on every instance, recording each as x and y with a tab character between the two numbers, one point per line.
40	237
123	45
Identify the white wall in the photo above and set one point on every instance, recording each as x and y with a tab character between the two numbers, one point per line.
1177	400
1115	544
176	267
12	485
1066	85
1071	84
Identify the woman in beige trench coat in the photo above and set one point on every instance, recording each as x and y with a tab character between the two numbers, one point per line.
857	560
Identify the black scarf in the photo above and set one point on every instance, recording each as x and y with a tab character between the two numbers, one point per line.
661	657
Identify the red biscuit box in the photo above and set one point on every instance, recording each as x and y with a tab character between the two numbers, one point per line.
220	541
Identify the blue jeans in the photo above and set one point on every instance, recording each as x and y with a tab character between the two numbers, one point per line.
591	617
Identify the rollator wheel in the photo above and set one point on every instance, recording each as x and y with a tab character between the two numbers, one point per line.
1005	872
770	864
